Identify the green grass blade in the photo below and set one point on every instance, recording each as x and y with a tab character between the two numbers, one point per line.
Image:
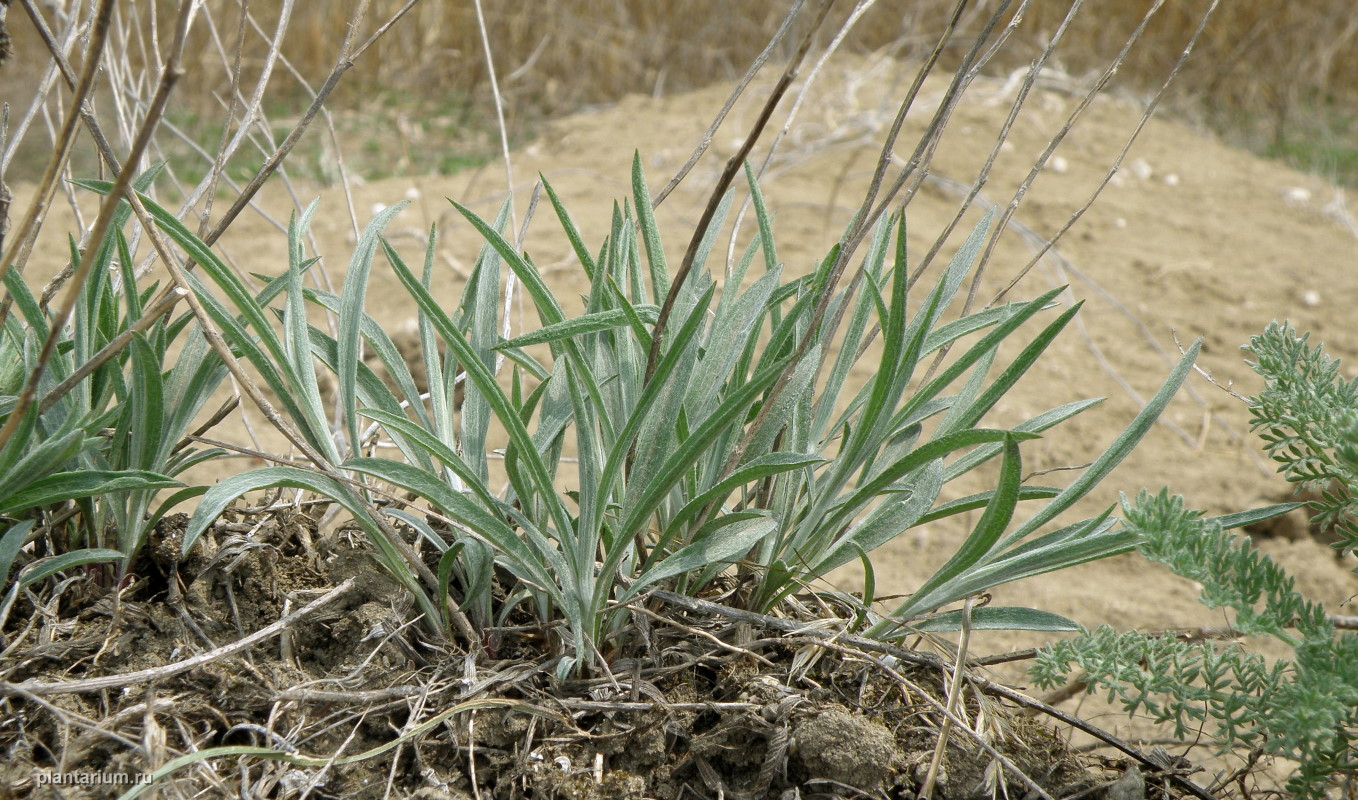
387	353
981	542
761	215
581	325
541	559
735	329
370	391
22	462
46	567
221	275
765	466
734	407
1017	367
64	486
649	432
846	358
480	319
981	499
548	309
572	233
541	486
226	491
275	370
10	544
650	231
26	303
351	315
799	390
999	618
952	331
1076	544
938	448
1037	424
190	385
885	523
1242	518
986	344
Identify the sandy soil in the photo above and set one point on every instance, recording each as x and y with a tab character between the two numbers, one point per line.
1191	239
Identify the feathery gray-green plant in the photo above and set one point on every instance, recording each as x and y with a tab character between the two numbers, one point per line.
1304	708
1307	416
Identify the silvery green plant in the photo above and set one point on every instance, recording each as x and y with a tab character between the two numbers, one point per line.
739	449
106	436
286	362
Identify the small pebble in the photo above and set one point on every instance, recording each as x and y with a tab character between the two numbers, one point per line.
1297	196
1059	165
1131	786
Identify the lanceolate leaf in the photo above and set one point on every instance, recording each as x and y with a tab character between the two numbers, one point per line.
979	545
540	559
765	466
650	231
541	485
937	448
578	326
10	544
724	539
351	309
999	618
1117	451
51	565
84	483
888	521
981	499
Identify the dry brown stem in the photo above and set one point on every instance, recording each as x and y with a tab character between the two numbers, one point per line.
39	688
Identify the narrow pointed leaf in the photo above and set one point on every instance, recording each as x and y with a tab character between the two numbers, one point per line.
999	618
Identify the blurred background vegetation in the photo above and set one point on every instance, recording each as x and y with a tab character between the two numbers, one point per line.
1279	78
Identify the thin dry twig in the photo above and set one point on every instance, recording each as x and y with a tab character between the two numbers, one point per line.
164	304
641	609
948	715
954	700
723	183
706	141
169	77
16	257
1127	146
40	688
867	215
840	639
